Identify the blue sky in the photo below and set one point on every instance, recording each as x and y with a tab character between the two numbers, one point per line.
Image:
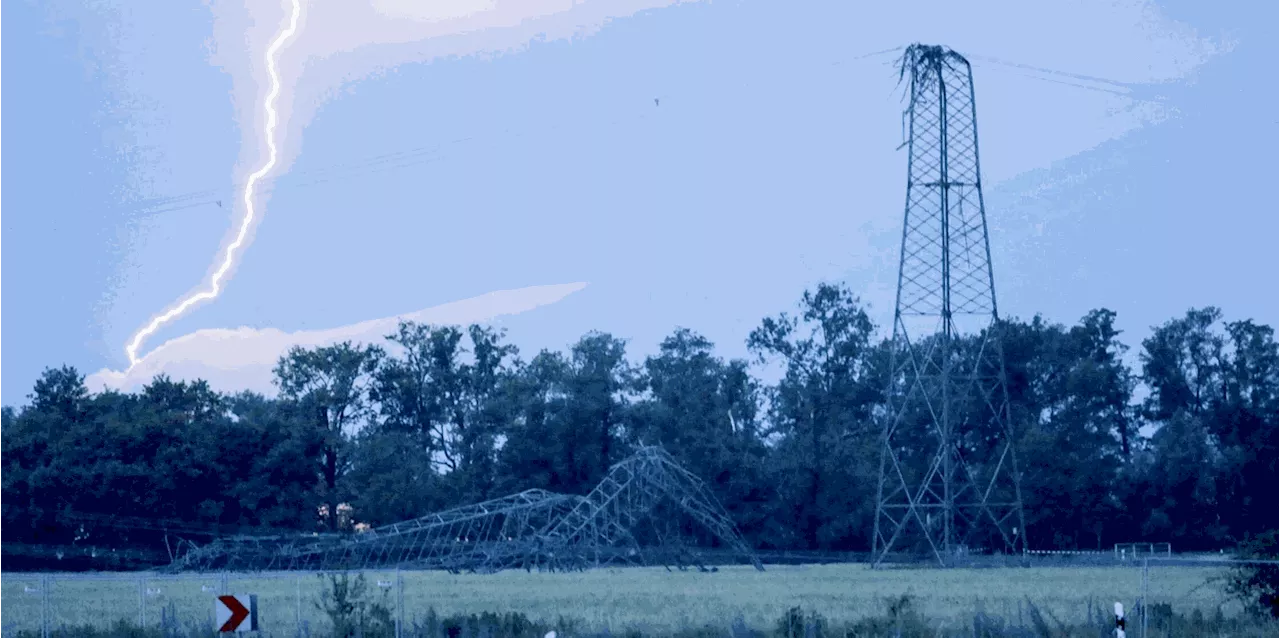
768	166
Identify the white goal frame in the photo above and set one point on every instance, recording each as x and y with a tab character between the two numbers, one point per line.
1126	551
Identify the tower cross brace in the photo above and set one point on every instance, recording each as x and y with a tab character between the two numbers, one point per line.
949	480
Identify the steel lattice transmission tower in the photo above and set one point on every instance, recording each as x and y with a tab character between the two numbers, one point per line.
948	476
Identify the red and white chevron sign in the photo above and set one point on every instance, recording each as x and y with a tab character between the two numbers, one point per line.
235	613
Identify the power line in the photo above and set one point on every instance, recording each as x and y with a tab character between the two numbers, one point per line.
421	155
868	55
374	164
176	526
1065	78
1075	76
1079	86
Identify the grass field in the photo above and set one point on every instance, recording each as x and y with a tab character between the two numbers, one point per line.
648	598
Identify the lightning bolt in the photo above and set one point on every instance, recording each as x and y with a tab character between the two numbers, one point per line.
228	258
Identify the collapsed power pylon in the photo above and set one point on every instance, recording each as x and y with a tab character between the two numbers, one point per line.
948	473
648	488
534	529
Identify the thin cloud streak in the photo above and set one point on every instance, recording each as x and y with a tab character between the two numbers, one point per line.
238	359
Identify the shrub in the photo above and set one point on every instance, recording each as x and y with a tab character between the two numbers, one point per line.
1255	585
344	602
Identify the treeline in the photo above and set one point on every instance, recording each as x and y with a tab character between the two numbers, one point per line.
1182	450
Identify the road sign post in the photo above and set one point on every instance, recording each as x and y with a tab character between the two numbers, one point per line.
235	614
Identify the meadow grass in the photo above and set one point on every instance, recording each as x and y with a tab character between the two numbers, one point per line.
647	599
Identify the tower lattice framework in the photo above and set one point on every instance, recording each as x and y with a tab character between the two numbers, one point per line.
615	524
948	476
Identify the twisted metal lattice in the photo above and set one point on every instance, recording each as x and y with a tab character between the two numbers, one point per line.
531	529
948	477
601	527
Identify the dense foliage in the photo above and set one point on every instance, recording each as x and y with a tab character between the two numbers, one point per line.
1181	450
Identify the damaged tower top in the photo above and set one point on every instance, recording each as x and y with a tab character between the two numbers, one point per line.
948	477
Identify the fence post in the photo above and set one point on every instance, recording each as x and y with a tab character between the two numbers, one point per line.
44	605
142	601
1146	606
399	602
297	584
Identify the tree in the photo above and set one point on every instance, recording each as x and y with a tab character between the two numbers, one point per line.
184	447
1254	584
392	478
60	392
1246	423
420	392
599	388
1181	362
485	408
1183	502
821	412
45	456
453	415
332	384
1100	383
1215	387
704	412
452	408
533	452
569	416
1070	394
277	487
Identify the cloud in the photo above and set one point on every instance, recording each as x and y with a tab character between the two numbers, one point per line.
340	42
242	358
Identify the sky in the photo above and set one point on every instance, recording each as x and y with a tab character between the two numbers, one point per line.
507	162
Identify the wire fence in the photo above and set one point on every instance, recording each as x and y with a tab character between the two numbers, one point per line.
1158	600
288	603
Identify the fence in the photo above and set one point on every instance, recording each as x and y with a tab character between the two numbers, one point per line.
287	601
1155	599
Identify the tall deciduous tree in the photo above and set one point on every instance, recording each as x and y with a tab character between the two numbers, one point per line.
1071	394
1213	388
1099	383
821	411
704	411
278	485
392	478
1246	428
1181	364
450	398
45	455
331	383
420	389
600	387
485	408
533	453
570	416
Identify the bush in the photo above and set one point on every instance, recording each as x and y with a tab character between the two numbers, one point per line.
900	619
797	624
1255	585
353	616
485	625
